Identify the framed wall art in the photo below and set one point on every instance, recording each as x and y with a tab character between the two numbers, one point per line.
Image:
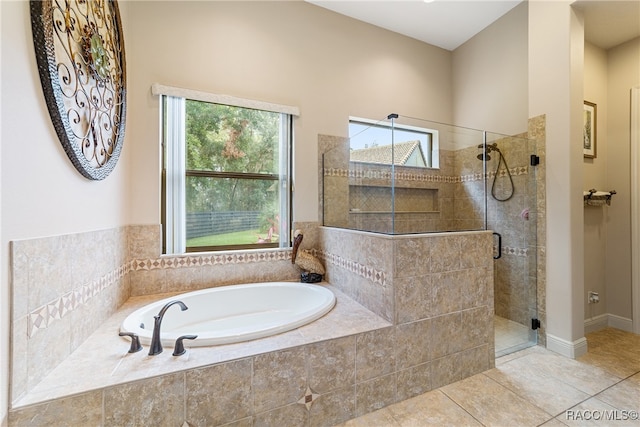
590	129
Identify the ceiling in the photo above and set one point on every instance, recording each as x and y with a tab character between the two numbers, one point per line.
450	23
610	23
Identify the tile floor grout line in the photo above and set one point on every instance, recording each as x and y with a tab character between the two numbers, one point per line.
613	385
527	400
517	394
604	367
460	406
591	396
563	382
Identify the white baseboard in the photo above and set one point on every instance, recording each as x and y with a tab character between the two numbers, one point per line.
596	323
620	323
566	348
607	320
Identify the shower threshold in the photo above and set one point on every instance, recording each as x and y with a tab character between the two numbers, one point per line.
511	336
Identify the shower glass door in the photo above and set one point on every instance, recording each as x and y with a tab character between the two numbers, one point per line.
510	172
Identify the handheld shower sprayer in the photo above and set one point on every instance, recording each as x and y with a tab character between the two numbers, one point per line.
484	156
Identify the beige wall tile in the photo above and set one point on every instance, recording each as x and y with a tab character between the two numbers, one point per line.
144	241
334	407
447	291
412	257
414	297
413	381
476	326
375	394
47	350
19	278
445	335
157	401
413	343
446	370
445	253
375	354
332	364
474	360
279	378
219	394
19	358
293	415
81	410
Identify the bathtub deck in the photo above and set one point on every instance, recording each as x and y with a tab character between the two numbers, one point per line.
102	360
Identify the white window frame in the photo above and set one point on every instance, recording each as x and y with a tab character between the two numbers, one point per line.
175	163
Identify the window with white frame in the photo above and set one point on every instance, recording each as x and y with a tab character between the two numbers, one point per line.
226	172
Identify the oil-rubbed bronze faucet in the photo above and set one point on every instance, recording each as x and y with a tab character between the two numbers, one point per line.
178	349
156	345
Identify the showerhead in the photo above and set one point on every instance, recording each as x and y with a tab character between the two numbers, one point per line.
484	155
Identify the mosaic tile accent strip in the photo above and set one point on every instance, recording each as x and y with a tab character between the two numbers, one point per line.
376	276
55	310
420	177
377	174
213	259
38	319
507	250
45	315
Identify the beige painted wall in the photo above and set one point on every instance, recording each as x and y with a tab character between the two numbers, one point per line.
292	53
609	77
284	52
595	176
490	76
556	37
624	73
41	192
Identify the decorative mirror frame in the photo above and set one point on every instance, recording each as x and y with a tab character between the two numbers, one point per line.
81	61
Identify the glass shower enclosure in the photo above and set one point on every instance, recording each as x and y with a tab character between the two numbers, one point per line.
404	175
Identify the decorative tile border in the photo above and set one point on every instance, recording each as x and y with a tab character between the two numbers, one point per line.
507	250
210	259
43	316
420	177
376	276
378	174
55	310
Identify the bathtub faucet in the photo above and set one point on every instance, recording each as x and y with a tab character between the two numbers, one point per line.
156	345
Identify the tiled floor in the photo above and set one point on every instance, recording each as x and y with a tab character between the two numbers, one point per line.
534	387
511	336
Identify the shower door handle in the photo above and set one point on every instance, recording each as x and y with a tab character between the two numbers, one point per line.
499	245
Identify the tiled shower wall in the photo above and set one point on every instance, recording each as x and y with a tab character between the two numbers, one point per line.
358	195
437	289
537	132
64	287
459	191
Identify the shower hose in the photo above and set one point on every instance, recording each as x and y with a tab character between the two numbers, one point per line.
495	177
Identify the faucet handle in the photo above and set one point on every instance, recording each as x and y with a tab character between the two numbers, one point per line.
178	349
135	341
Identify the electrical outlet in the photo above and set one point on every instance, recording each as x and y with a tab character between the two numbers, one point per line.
594	297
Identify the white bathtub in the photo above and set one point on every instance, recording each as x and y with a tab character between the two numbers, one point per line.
230	314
